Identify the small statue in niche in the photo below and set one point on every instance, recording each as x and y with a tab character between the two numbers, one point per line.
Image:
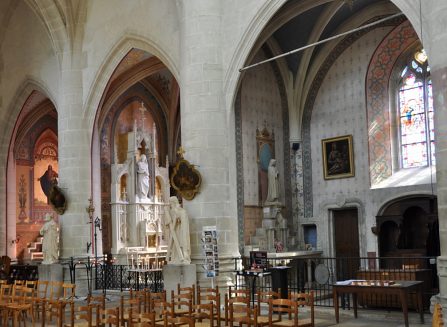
142	178
273	183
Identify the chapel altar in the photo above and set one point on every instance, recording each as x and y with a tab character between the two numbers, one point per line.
138	192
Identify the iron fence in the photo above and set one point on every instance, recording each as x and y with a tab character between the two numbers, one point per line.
318	274
123	277
296	274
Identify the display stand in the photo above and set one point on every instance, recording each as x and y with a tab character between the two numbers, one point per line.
209	246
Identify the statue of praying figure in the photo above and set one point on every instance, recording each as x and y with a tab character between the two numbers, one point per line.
142	178
50	243
176	222
273	183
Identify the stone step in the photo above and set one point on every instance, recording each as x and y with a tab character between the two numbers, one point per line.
37	256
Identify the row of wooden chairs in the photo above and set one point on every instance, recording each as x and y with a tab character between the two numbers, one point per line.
34	298
281	312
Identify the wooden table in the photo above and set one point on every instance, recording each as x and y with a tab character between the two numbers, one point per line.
400	288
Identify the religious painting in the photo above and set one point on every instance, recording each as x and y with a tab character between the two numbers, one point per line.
185	179
338	158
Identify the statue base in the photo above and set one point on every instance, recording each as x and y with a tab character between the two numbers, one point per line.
174	274
51	272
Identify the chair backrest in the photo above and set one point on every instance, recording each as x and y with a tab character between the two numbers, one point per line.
69	291
281	306
109	317
187	289
305	300
238	292
205	311
41	289
98	300
437	320
82	314
5	292
182	302
236	304
264	297
55	290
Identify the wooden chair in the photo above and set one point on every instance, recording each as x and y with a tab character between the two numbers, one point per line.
187	289
305	300
145	319
52	305
235	308
437	320
158	304
40	297
182	303
98	300
177	321
210	295
109	317
280	307
82	316
127	307
20	305
143	296
263	298
203	314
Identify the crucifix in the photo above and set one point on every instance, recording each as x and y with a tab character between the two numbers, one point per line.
143	118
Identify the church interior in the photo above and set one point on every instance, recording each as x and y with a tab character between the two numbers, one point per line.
309	131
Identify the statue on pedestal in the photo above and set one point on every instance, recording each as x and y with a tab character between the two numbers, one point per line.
50	243
176	222
142	178
273	183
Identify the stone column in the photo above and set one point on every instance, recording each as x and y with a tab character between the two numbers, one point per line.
205	129
435	37
74	160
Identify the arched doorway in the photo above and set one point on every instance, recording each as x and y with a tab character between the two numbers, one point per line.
408	227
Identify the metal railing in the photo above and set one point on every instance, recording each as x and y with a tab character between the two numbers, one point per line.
318	274
296	274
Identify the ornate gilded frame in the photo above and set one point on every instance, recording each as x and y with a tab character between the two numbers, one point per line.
338	157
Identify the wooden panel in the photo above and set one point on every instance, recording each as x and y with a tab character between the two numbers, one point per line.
384	301
346	235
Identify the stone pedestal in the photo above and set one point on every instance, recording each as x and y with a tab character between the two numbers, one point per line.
173	274
52	272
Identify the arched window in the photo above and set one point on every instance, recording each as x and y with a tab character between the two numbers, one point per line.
415	104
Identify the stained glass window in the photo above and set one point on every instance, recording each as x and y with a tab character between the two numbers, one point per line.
416	124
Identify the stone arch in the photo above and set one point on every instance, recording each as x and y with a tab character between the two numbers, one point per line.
105	71
9	123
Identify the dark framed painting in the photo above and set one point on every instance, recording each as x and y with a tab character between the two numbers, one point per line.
338	157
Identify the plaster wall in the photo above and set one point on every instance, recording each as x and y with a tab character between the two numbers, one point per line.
26	54
261	107
109	22
340	109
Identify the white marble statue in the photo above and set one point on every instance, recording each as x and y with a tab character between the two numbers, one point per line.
176	223
50	243
273	183
142	178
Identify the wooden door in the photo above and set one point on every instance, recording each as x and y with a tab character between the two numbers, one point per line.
346	235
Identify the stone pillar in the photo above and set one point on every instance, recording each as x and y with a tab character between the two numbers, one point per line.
435	43
205	129
74	160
